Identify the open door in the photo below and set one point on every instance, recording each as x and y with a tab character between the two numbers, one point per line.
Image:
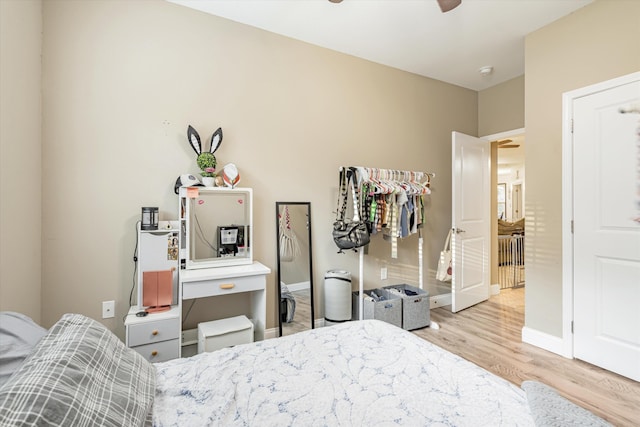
471	222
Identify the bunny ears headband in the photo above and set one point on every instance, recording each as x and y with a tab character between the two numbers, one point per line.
194	140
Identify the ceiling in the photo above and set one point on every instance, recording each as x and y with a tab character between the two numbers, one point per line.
411	35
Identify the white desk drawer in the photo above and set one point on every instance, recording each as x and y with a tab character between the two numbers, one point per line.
154	331
159	351
215	287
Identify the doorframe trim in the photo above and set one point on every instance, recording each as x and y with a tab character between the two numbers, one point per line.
567	199
495	137
503	135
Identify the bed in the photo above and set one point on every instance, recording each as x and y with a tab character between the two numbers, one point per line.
363	373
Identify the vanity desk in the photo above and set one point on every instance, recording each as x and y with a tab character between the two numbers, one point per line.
249	279
209	251
216	259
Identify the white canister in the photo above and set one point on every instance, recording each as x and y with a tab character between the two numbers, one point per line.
337	296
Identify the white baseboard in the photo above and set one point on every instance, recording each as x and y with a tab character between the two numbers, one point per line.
436	301
495	289
544	341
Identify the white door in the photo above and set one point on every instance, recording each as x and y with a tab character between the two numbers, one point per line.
471	211
606	240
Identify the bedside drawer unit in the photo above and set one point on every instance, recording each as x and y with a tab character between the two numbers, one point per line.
159	351
216	287
155	336
153	331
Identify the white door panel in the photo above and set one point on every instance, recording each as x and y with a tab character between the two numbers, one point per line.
470	220
617	296
606	242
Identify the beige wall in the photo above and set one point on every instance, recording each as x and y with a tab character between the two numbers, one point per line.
118	97
596	43
121	82
501	107
20	156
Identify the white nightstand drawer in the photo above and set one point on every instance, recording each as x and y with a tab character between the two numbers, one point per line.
159	351
215	287
153	331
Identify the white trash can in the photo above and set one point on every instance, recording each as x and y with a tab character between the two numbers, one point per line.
337	296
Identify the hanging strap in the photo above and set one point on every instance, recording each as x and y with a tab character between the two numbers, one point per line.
347	178
354	194
447	243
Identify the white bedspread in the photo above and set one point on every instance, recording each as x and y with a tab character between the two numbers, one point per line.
366	373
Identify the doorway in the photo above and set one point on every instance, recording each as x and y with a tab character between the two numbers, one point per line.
514	162
508	168
509	212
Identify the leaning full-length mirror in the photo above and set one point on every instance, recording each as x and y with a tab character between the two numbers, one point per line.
295	269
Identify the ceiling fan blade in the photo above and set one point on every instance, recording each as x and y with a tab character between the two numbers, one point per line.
447	5
504	141
509	146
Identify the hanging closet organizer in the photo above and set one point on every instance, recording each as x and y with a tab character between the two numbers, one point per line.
393	186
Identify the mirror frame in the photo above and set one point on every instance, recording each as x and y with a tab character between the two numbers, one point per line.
187	196
278	275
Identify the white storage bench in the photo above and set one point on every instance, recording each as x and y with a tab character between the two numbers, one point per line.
223	333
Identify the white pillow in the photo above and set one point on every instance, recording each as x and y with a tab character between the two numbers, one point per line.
18	335
549	409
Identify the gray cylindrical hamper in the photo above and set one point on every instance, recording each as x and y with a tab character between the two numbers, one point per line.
337	296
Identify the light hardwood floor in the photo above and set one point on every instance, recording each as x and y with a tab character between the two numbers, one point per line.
489	334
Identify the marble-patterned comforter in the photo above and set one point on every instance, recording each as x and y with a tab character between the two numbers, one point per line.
366	373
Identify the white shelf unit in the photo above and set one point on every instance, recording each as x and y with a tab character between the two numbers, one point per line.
156	336
158	250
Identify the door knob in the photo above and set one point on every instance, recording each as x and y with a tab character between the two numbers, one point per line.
459	230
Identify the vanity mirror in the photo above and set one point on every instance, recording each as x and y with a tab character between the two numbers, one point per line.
295	268
215	226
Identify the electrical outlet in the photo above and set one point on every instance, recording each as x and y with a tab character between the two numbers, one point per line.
108	309
383	273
